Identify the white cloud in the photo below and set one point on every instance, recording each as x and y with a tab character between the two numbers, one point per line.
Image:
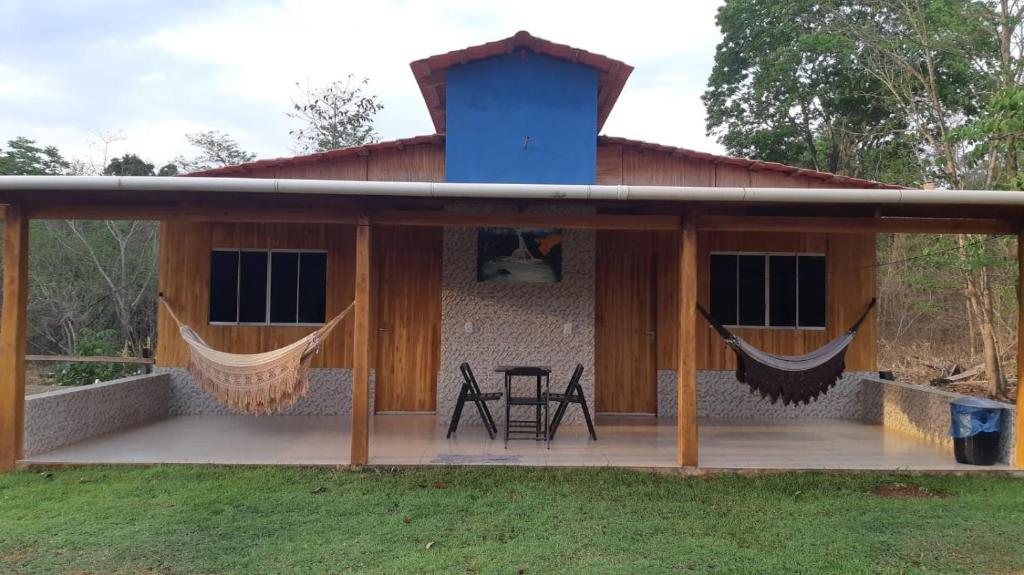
19	86
233	67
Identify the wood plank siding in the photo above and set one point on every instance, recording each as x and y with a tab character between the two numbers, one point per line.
851	280
185	259
185	248
185	281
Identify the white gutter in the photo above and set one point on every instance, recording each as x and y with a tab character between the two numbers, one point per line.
148	184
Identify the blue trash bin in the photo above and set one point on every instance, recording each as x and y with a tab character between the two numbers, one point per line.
976	428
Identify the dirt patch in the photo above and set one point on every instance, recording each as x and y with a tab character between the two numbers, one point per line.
904	491
15	555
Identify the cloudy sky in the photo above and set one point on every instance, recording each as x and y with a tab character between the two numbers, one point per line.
154	70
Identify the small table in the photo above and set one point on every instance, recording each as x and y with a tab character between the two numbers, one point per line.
537	428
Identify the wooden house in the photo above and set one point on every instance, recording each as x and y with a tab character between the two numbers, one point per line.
257	255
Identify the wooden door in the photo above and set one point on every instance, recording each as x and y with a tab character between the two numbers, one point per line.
625	360
408	319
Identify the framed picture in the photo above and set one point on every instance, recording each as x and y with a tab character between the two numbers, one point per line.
506	255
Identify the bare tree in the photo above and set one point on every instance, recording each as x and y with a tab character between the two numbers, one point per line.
337	115
216	149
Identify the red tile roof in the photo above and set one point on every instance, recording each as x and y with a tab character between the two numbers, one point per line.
438	139
431	72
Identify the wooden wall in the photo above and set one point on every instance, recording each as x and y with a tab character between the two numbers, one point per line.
418	163
185	256
185	281
851	280
849	288
625	164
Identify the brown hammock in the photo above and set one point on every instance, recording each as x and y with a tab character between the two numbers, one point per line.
253	383
794	378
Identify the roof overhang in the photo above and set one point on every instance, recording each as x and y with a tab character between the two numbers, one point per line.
38	186
432	73
840	210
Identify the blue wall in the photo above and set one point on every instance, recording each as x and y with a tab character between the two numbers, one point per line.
493	105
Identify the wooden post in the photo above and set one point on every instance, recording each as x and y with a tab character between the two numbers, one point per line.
12	337
1018	430
687	342
361	346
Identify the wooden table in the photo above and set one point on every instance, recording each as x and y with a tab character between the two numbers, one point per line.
537	428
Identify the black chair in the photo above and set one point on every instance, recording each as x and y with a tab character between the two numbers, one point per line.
573	394
470	391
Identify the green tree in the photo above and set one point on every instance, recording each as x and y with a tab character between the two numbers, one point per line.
216	149
128	165
23	157
787	87
337	115
168	170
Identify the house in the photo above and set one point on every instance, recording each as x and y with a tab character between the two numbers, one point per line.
517	234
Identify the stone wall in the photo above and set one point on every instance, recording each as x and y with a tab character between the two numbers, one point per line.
62	417
923	412
491	324
720	395
330	393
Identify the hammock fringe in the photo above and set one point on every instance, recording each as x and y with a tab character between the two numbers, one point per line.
254	383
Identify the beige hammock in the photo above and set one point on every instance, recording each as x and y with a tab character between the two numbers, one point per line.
258	382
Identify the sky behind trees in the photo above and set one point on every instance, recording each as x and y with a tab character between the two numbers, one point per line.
155	70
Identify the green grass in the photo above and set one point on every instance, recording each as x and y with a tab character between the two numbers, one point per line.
179	519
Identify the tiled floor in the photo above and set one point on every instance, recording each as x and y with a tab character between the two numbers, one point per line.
413	439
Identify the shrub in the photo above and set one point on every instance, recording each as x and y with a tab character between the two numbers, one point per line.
91	342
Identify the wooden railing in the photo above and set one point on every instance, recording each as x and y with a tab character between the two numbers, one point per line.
90	359
146	362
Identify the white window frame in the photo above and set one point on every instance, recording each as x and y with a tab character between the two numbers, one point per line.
270	271
767	294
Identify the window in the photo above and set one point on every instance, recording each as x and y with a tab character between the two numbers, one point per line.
268	286
768	290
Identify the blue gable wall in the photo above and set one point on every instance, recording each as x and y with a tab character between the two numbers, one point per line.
494	105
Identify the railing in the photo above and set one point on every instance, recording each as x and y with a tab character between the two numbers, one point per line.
147	362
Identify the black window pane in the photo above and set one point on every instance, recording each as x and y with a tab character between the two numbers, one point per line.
284	280
782	291
812	291
223	286
723	288
313	288
751	290
252	304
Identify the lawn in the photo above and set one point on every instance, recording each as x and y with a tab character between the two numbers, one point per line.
179	519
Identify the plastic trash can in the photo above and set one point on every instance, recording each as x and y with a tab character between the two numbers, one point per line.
976	428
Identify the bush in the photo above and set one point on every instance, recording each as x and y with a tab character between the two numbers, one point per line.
91	342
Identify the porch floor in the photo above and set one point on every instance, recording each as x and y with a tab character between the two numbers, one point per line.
420	440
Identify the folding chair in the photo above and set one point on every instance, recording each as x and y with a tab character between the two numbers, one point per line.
470	391
573	394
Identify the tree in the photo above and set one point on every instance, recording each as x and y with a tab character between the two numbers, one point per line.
338	115
128	165
23	158
168	170
905	91
216	149
936	59
787	87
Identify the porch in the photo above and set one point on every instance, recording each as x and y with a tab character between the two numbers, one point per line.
555	325
637	442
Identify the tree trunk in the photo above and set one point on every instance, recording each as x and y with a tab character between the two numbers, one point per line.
978	292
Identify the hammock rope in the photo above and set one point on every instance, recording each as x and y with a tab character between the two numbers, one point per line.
794	378
254	383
